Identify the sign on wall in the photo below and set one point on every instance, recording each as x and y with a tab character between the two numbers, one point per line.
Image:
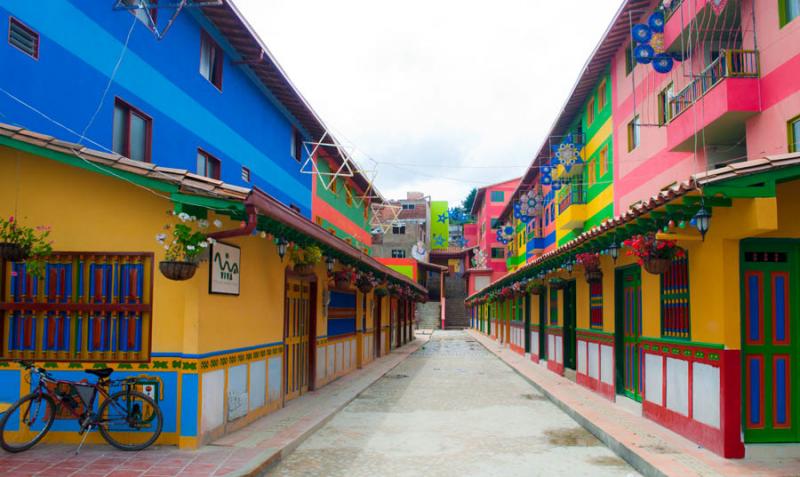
225	266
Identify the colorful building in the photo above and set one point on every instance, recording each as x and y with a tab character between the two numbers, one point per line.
144	134
675	287
487	207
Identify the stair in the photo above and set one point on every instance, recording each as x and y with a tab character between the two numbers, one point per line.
429	315
455	313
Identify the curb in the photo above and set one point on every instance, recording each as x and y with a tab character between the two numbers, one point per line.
623	451
271	458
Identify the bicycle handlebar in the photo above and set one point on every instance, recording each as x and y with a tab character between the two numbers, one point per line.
31	366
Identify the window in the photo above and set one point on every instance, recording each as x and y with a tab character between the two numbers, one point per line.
48	321
297	146
483	229
590	112
596	305
245	174
634	132
318	220
498	252
397	253
211	60
334	186
498	196
601	96
664	113
495	223
207	165
602	162
628	60
23	38
409	206
399	229
591	172
794	134
132	132
788	10
675	300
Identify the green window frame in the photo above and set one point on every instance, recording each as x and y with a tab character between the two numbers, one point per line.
498	196
788	10
793	127
498	252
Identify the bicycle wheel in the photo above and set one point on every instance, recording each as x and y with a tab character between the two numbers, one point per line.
129	420
28	419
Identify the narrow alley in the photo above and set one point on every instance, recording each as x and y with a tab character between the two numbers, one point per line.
452	408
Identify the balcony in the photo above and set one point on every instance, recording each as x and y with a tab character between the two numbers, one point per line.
571	207
728	90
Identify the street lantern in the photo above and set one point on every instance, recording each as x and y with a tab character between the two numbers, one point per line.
613	250
568	266
282	244
330	262
702	220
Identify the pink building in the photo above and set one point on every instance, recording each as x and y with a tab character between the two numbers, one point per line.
489	203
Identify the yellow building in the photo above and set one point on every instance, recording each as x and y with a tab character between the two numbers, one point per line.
216	354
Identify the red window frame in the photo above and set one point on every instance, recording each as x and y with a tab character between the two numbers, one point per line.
215	75
148	142
27	29
209	160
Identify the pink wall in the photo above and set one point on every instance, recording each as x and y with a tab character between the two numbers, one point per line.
471	234
487	211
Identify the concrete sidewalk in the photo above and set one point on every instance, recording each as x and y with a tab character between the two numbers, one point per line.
247	452
650	448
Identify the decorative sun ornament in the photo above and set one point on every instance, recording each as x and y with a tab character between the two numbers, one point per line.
528	206
568	155
505	234
650	44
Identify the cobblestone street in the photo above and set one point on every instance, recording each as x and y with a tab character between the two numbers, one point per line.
452	408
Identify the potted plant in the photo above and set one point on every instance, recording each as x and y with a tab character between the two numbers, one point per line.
653	254
381	291
185	248
304	259
343	278
535	287
366	281
517	289
591	267
31	245
557	283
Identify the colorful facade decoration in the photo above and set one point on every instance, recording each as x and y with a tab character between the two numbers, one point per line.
215	137
703	164
440	225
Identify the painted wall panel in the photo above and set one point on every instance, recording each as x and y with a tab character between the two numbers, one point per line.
653	384
238	401
706	394
594	360
213	400
678	385
275	378
607	364
258	384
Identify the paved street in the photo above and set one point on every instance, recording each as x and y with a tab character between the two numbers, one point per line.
452	408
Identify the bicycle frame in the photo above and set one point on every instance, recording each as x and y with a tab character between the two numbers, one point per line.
62	403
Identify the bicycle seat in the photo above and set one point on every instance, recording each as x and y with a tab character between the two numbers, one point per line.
100	373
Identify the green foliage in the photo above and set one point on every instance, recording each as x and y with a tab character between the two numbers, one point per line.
469	200
310	255
33	241
187	243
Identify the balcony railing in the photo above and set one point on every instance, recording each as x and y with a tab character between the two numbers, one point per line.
572	194
729	64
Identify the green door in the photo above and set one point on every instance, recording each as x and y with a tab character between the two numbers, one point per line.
629	329
542	326
526	303
770	380
569	325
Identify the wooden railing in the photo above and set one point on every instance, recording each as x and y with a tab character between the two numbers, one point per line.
729	64
87	307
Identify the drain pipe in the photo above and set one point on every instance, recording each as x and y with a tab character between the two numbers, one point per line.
246	229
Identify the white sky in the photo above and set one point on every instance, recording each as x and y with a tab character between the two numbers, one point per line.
426	88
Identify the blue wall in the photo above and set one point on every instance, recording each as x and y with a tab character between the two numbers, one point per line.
81	42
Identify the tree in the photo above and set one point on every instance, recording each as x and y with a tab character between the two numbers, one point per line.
467	204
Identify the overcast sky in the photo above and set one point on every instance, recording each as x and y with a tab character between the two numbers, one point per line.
444	95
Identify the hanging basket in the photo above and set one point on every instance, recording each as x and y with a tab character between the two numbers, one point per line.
657	266
13	252
557	284
177	271
537	290
381	291
365	288
340	283
593	275
304	269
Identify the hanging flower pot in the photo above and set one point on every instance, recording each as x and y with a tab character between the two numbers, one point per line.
177	271
13	252
593	275
557	283
537	289
656	266
381	291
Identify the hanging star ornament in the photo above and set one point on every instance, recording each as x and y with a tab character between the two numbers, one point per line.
311	163
439	240
568	155
384	216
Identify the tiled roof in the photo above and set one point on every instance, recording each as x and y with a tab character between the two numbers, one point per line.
187	181
694	183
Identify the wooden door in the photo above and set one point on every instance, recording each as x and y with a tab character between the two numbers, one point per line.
526	303
376	324
630	316
770	380
569	325
543	326
297	322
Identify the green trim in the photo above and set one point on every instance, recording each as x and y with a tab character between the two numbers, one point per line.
669	341
594	332
793	141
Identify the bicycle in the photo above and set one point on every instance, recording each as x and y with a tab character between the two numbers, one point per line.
128	420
